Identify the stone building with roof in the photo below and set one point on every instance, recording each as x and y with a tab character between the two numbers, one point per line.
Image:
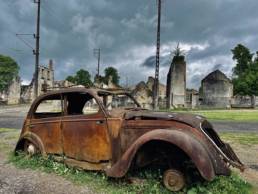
216	90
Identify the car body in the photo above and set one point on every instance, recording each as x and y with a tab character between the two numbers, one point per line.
118	134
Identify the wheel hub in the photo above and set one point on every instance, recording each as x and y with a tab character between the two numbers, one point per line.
173	180
31	149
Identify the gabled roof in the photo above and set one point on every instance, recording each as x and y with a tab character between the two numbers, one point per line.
216	75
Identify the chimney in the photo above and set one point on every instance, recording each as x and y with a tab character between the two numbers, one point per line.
50	64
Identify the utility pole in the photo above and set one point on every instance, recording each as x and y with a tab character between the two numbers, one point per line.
156	79
36	51
97	54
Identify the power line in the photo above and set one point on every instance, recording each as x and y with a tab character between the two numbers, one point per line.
24	41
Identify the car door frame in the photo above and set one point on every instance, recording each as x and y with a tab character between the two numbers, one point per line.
51	137
99	118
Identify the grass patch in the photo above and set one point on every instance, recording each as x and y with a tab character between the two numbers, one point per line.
8	139
151	180
229	115
240	138
4	130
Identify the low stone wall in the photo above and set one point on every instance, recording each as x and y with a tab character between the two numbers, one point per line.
244	102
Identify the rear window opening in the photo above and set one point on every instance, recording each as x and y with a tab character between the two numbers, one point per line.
49	107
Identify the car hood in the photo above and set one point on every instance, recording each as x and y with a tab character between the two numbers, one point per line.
190	119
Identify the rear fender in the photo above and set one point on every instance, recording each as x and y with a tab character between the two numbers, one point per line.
187	143
33	138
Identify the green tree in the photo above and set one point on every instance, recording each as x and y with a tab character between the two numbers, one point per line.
245	73
243	57
112	72
9	69
71	79
82	77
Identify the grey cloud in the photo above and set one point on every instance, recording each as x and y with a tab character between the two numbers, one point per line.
70	31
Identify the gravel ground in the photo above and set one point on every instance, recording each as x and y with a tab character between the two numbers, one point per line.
26	181
13	181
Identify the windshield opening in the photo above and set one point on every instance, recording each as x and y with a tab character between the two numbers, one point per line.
111	101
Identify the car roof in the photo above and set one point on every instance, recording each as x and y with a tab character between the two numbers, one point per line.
95	91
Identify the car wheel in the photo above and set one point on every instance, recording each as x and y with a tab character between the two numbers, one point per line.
30	148
173	180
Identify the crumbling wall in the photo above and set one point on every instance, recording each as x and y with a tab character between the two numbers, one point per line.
176	83
244	102
12	94
143	95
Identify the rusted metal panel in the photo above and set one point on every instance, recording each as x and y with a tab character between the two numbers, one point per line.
86	138
48	130
184	141
114	128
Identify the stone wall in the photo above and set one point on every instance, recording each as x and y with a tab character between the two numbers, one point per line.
192	98
244	102
12	94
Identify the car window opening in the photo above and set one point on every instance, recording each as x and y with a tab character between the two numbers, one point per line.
81	104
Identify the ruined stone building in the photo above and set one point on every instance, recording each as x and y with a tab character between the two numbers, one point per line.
176	83
192	98
12	94
143	93
216	90
45	81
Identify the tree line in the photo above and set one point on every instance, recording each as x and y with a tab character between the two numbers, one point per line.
83	77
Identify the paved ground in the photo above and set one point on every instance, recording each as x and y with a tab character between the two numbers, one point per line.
13	117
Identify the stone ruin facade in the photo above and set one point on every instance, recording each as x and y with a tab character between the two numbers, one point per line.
45	81
216	90
143	93
17	93
192	98
176	83
11	95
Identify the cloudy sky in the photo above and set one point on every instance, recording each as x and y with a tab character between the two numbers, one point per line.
125	30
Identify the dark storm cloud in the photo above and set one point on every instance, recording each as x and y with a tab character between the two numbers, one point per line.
151	61
126	33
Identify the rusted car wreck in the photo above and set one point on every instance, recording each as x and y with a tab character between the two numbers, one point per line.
108	130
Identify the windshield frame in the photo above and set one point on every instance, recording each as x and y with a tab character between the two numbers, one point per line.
102	94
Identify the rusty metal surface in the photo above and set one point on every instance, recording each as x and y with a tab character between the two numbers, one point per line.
85	138
111	139
182	140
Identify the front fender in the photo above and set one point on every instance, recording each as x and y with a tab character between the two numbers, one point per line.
187	143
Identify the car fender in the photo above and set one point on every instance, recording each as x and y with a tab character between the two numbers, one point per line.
185	141
33	138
